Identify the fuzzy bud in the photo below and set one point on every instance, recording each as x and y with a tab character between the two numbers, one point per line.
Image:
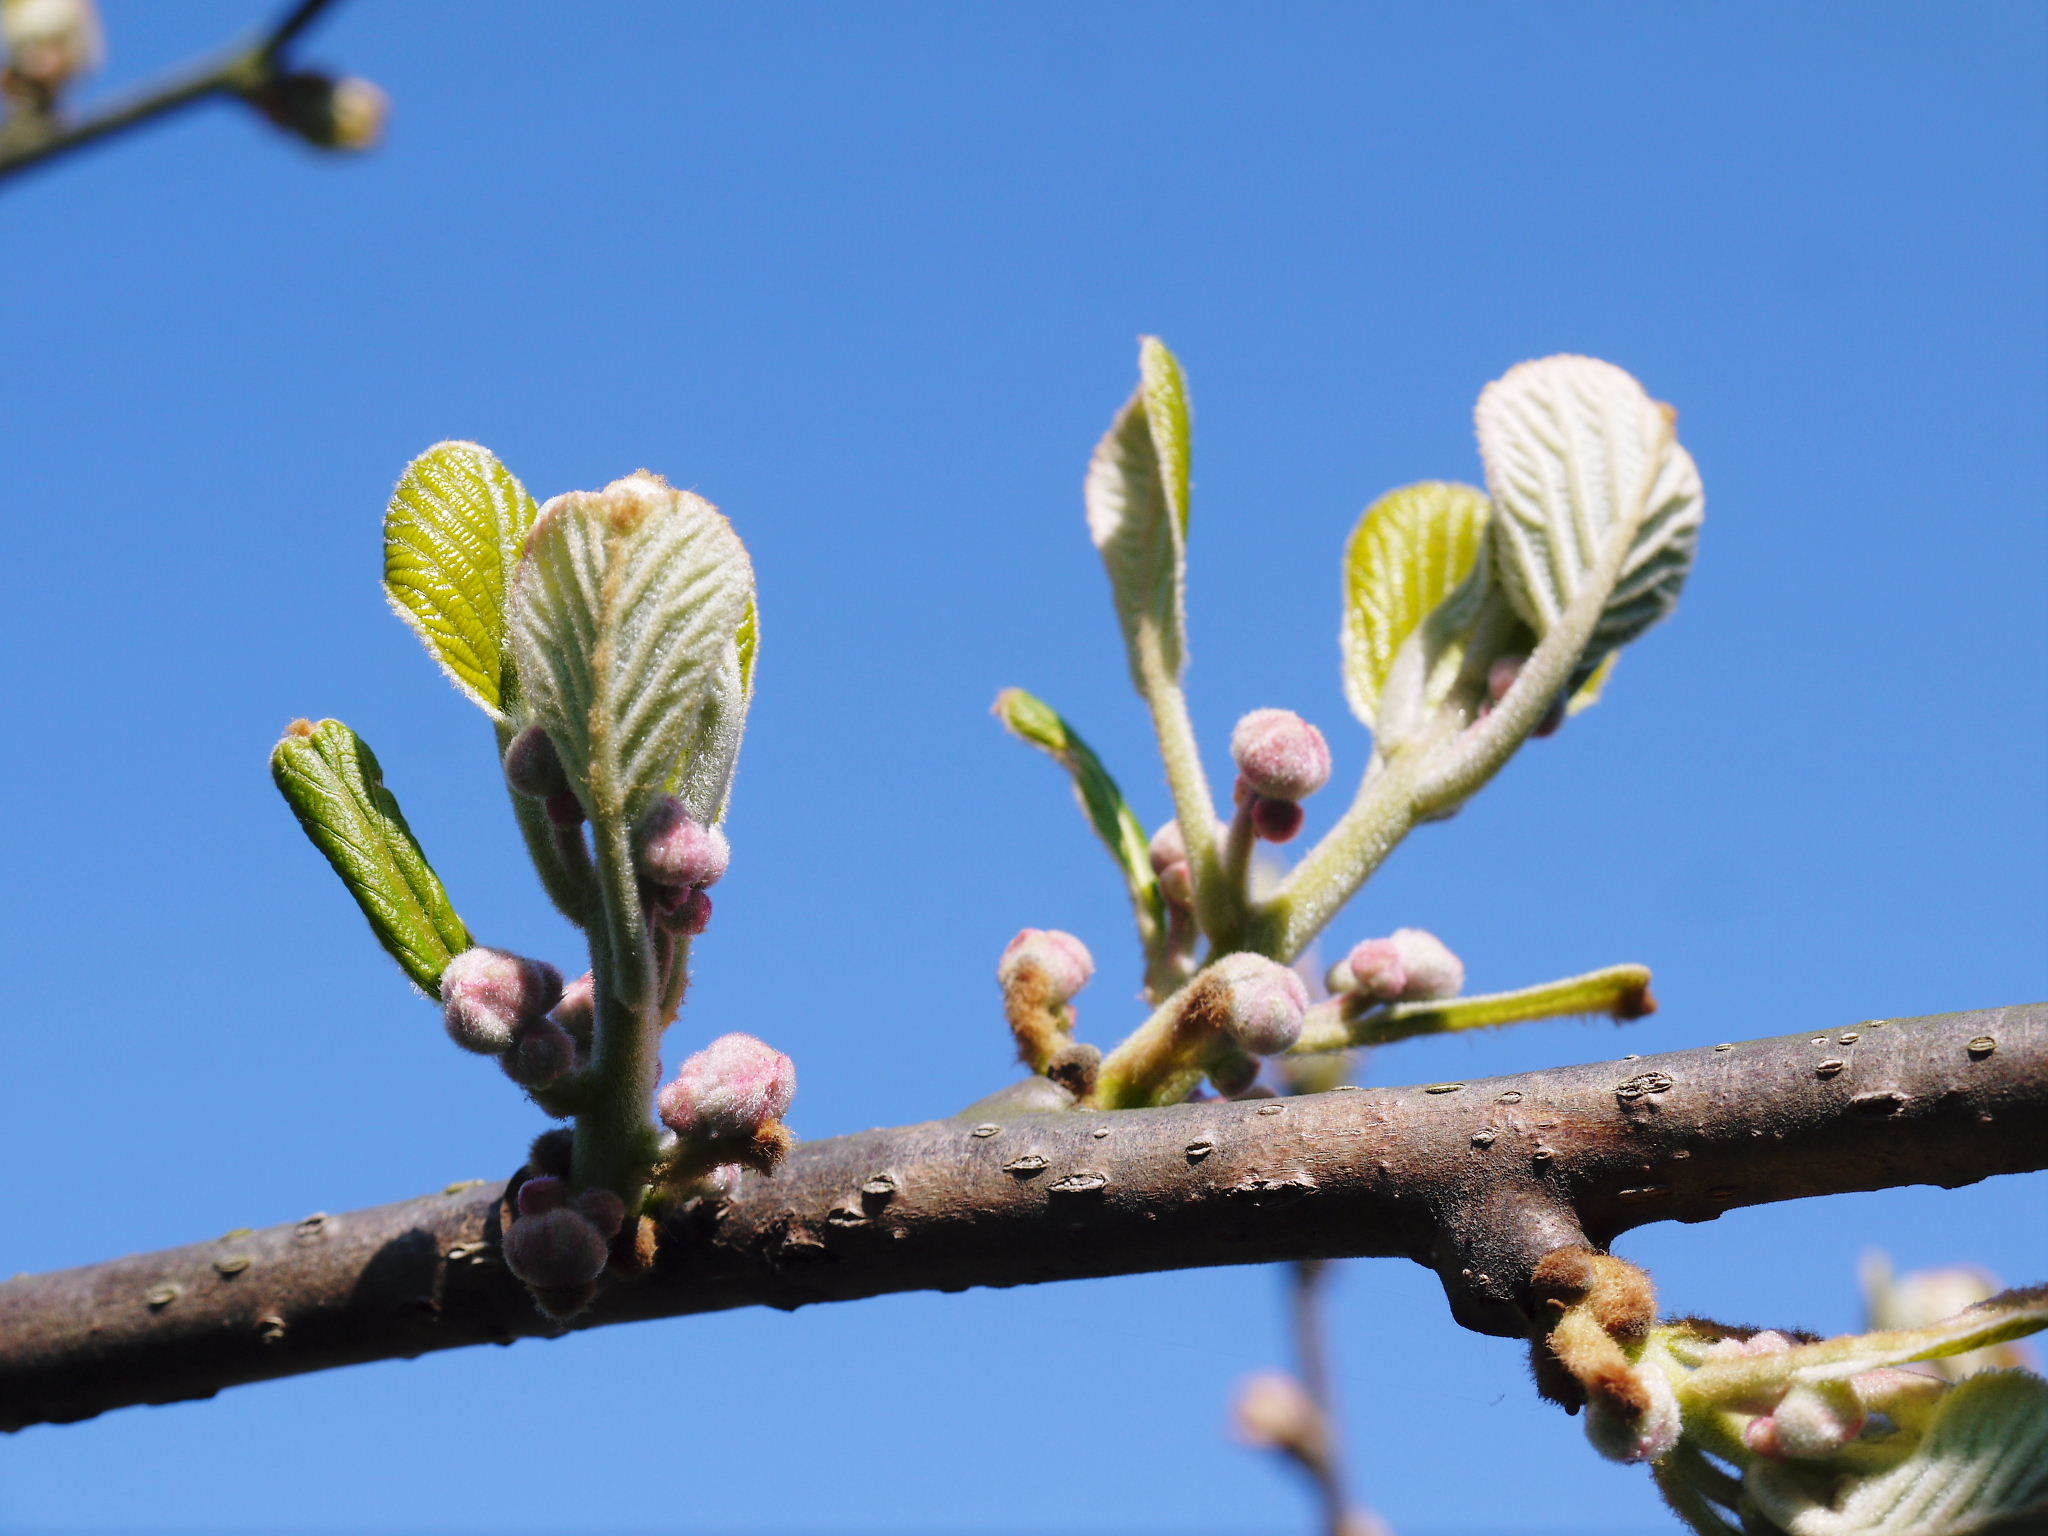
345	114
533	767
564	809
733	1088
486	994
1267	1002
556	1249
1814	1420
603	1210
541	1051
1168	847
687	912
674	850
1280	754
1277	821
1274	1412
49	43
1410	965
542	1193
1501	675
577	1011
1060	958
1641	1424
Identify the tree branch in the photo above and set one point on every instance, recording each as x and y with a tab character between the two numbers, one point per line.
1478	1180
31	139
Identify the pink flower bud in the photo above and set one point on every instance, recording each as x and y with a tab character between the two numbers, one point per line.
577	1011
556	1249
532	766
1060	958
542	1194
1277	821
687	911
564	809
1274	1412
487	994
541	1051
1410	965
732	1088
1816	1419
1267	1002
1648	1435
603	1209
674	850
1177	884
1501	675
1168	847
1280	754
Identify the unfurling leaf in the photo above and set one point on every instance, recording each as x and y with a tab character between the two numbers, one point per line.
452	537
1982	1462
1591	489
1588	692
1137	500
629	603
333	783
1033	720
1410	552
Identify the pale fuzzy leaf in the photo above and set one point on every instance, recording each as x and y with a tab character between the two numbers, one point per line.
452	537
1983	1460
711	749
1587	477
1136	496
2009	1315
624	610
1410	551
334	785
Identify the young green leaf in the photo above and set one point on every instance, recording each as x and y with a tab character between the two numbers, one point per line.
452	537
1033	720
1591	485
1982	1462
1411	551
1137	501
711	747
334	785
627	604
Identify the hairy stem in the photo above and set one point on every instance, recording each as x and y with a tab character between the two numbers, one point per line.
1478	1180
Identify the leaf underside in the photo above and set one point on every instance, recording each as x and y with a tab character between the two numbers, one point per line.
626	608
1137	503
1579	460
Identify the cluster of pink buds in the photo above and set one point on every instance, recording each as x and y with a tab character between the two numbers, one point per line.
1410	965
499	1004
560	1240
533	768
1266	1003
726	1103
678	858
1281	761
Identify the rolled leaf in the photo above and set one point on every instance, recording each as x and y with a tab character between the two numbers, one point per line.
1590	486
452	537
1137	501
1033	720
627	605
1410	552
335	786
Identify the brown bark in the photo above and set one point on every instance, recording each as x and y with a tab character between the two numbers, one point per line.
1478	1180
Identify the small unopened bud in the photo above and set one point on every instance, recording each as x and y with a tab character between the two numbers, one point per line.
1060	958
603	1209
541	1051
1168	847
672	849
1409	965
1640	1423
1267	1002
1277	821
49	43
555	1249
1501	675
1274	1412
577	1011
345	114
564	809
543	1193
687	912
732	1088
1816	1419
1280	754
486	994
532	765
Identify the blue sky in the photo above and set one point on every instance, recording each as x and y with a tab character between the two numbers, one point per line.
871	278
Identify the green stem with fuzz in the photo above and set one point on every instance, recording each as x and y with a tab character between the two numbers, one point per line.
1621	992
